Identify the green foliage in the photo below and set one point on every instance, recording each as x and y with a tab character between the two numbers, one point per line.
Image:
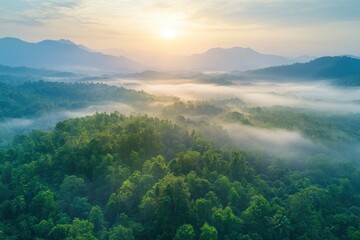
41	104
120	232
116	177
96	217
185	232
192	108
16	102
208	232
80	230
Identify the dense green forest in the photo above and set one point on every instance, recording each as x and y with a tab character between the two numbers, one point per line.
138	177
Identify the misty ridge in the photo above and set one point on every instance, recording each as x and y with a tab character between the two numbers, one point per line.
311	85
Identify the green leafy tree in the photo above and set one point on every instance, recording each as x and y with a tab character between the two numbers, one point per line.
256	215
167	204
208	232
43	204
81	230
120	232
96	217
185	232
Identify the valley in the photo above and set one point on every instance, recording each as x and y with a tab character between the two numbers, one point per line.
179	120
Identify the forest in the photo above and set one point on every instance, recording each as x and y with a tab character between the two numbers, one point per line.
165	164
179	120
109	176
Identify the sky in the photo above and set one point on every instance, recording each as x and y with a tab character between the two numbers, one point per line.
183	27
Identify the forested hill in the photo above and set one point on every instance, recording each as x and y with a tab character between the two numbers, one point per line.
31	98
25	71
115	177
19	75
345	70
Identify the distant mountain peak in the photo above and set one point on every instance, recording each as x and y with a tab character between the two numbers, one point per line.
225	50
66	41
56	42
12	39
243	49
229	59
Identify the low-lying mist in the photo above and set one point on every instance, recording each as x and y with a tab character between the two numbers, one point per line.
319	95
238	98
277	142
11	127
287	144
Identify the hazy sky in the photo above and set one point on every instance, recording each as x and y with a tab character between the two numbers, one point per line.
292	27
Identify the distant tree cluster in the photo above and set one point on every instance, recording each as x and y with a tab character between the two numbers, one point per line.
195	108
31	98
315	125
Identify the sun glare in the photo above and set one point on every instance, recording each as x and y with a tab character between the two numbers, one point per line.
169	33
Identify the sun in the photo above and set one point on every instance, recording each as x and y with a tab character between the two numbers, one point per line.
169	33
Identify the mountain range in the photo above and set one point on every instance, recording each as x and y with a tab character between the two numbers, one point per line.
66	55
62	55
212	60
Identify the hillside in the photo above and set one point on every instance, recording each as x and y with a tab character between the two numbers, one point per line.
25	71
19	75
345	70
34	98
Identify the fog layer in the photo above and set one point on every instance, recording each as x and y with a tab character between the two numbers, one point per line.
316	96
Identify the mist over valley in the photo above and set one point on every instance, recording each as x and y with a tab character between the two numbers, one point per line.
179	120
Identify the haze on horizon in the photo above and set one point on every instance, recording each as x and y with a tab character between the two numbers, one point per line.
289	28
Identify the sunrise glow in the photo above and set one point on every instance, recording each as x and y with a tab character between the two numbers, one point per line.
169	33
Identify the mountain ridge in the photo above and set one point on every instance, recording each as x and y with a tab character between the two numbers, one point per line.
61	55
229	59
345	70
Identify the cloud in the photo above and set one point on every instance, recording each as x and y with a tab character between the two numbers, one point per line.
64	4
37	13
276	142
318	96
257	12
277	26
278	12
